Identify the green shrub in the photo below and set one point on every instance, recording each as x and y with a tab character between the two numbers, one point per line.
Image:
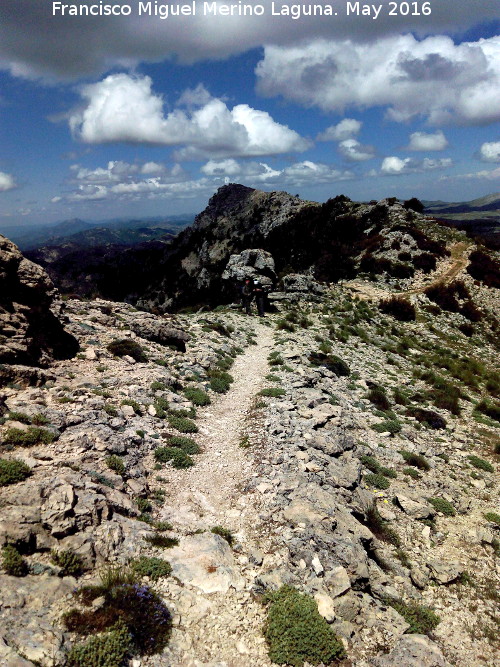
331	362
421	619
182	424
295	631
415	460
116	464
428	417
141	611
377	480
163	525
13	471
480	464
33	435
224	533
187	445
391	426
13	563
442	505
109	649
274	392
151	567
380	527
493	517
219	380
411	472
144	505
177	456
378	397
70	563
133	404
127	347
370	462
197	396
110	410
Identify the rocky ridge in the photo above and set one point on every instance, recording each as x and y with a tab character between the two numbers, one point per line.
333	463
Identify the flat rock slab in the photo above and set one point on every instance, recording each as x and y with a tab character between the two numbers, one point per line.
206	562
413	651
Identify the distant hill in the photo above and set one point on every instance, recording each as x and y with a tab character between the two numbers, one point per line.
480	218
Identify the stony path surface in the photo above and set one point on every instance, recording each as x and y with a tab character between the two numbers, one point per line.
219	628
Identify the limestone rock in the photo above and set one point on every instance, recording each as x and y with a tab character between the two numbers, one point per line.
413	651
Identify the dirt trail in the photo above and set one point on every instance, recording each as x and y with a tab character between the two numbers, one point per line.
459	261
221	629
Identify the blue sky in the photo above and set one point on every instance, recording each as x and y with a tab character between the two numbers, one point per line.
134	115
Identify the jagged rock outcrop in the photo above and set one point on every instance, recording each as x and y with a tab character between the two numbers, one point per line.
31	332
254	263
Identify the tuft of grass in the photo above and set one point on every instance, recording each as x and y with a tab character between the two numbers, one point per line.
422	620
295	631
224	533
415	460
377	480
13	471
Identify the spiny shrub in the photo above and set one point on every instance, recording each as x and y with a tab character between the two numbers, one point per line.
489	409
197	396
187	445
331	362
377	480
295	631
151	567
116	464
378	397
421	619
182	424
108	649
70	563
415	460
13	563
274	392
480	464
34	435
141	611
13	471
224	533
178	457
127	347
400	308
442	505
428	417
370	462
39	419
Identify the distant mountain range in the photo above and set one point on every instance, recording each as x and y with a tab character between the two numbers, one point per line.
480	218
117	231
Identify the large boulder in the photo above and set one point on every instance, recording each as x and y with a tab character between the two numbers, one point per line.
31	332
254	263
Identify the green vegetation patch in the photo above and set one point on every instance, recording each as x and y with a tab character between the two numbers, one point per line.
33	435
13	471
493	517
127	347
331	362
422	620
108	649
295	631
116	464
480	464
13	563
400	308
71	564
391	426
415	460
377	480
187	445
197	396
182	424
274	392
176	455
442	505
154	568
224	533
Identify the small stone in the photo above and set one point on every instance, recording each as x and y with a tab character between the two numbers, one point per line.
317	566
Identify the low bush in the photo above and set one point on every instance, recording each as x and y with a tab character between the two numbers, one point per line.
108	649
331	362
273	392
13	471
415	460
197	396
493	517
480	464
127	347
489	409
442	505
70	563
19	417
182	424
162	541
485	268
154	568
33	435
380	527
133	404
378	397
177	456
391	426
295	631
400	308
187	445
377	480
422	620
116	464
13	563
411	472
428	417
219	380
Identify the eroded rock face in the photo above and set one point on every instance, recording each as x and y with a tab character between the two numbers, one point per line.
253	263
31	332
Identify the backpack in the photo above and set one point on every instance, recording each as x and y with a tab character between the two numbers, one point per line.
247	290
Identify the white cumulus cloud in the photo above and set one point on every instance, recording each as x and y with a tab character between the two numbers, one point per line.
490	151
346	129
422	141
395	166
7	182
123	108
353	151
434	77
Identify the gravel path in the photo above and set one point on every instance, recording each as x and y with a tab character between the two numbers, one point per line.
220	629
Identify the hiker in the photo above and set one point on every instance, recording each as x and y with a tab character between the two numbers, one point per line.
247	292
260	297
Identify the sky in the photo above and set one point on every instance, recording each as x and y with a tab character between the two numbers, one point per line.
143	109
